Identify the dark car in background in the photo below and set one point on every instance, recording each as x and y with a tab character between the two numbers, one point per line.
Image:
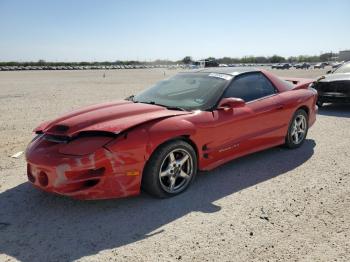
302	66
336	64
282	66
335	86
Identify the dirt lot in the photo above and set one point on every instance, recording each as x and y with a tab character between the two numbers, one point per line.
276	205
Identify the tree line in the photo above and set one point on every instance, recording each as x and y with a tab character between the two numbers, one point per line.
186	60
271	59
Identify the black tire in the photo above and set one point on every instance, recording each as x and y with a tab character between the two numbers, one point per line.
152	181
290	140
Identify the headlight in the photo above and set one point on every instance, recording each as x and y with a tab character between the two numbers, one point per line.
84	145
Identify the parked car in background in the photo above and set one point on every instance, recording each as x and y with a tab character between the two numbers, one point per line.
320	65
336	64
283	66
335	86
302	66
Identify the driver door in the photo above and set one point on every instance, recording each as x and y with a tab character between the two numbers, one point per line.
251	127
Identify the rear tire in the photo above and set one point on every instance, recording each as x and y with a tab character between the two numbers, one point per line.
298	129
170	170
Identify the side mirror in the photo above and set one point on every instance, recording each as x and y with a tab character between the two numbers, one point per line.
328	72
230	103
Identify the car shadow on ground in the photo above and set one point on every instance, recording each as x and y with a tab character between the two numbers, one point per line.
35	226
338	110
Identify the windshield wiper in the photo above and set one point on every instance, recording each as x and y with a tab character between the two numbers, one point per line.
167	107
130	98
176	108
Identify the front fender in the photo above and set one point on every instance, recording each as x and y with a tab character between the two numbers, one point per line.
165	130
136	146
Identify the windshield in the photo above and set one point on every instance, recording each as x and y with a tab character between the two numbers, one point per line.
343	69
190	91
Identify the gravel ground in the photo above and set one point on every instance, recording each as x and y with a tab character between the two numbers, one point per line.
275	205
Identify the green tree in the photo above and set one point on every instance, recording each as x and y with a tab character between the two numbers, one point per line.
41	62
187	60
277	59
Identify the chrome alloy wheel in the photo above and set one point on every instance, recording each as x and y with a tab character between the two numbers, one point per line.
299	129
176	171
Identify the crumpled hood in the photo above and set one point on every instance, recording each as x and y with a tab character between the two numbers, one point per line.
113	117
335	77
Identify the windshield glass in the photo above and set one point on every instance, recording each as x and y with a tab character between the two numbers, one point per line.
343	69
190	91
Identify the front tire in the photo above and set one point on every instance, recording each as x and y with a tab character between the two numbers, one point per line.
170	170
297	130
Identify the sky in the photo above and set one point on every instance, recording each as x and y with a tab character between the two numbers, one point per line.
103	30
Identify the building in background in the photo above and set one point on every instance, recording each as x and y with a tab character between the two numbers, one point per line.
344	55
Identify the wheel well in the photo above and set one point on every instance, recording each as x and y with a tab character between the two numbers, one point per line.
305	108
185	138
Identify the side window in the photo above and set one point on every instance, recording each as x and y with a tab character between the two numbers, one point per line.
250	87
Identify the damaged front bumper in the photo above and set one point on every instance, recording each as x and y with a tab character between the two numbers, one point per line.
100	175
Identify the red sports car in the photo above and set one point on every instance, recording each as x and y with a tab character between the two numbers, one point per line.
159	139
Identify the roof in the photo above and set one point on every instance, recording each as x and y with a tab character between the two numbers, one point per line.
227	70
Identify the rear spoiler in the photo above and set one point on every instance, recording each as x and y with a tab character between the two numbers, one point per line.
299	83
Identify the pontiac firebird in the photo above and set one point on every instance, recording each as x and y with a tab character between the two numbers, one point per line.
160	138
